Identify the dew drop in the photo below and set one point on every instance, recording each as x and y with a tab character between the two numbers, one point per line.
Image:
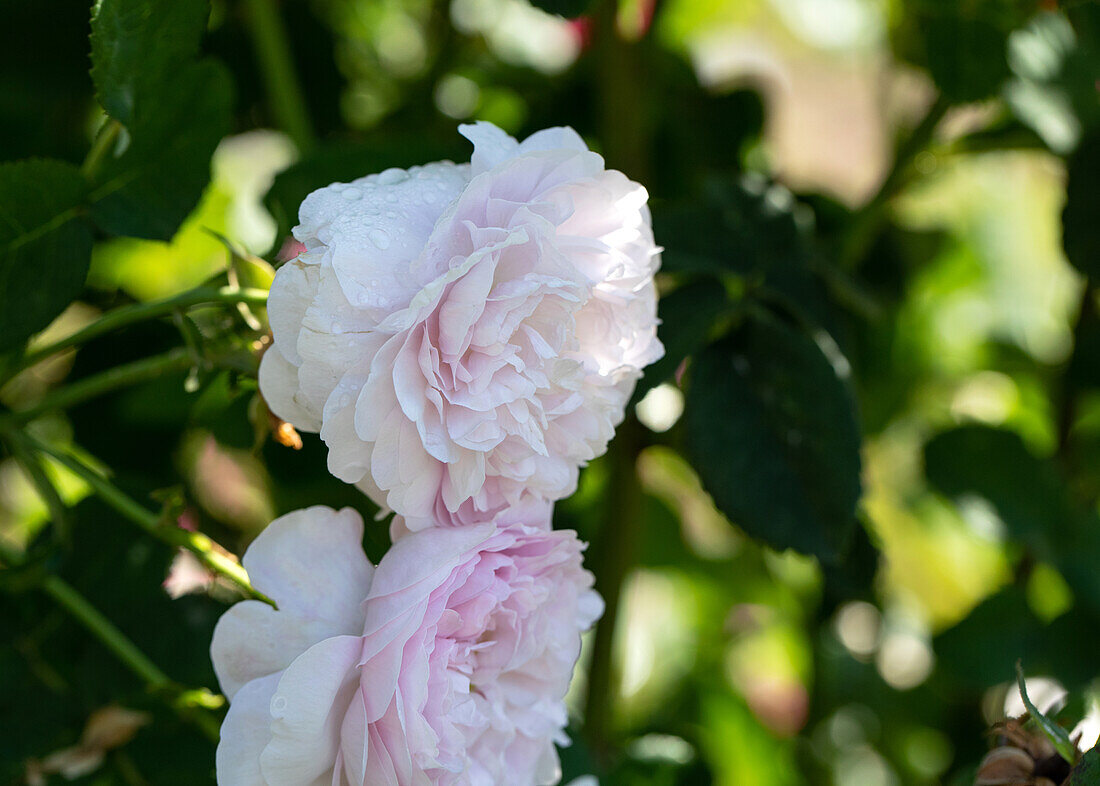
392	176
379	238
278	705
429	197
351	193
374	282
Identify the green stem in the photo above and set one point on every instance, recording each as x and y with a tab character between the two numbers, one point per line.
209	553
866	224
139	312
104	630
123	648
613	555
32	465
111	379
272	45
624	130
101	148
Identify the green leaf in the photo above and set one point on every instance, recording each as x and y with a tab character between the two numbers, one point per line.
966	57
982	650
158	179
1027	493
567	8
1055	733
1082	211
772	431
1087	771
45	246
688	317
743	226
136	47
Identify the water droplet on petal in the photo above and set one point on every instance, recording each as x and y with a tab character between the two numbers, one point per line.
429	197
351	193
392	176
379	238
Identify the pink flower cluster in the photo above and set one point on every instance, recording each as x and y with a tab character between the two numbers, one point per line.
464	338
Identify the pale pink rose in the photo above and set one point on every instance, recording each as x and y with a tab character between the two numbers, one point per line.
447	664
465	336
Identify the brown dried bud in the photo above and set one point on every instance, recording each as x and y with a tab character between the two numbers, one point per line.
1005	767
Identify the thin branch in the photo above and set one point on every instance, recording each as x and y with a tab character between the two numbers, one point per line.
210	554
101	148
106	381
139	312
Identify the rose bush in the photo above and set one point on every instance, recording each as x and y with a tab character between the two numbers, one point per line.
466	337
448	664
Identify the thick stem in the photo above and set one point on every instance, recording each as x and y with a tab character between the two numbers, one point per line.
276	62
624	130
209	553
111	379
139	312
613	556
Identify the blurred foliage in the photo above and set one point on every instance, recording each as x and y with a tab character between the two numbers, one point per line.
865	480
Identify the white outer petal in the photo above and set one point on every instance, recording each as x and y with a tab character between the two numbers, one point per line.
307	708
245	732
311	563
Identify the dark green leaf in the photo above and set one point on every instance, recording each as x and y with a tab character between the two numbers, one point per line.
741	226
966	57
157	180
688	317
567	8
45	246
136	47
1026	491
1082	210
1087	771
773	433
982	650
1058	736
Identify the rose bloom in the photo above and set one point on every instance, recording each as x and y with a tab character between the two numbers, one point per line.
464	336
446	664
